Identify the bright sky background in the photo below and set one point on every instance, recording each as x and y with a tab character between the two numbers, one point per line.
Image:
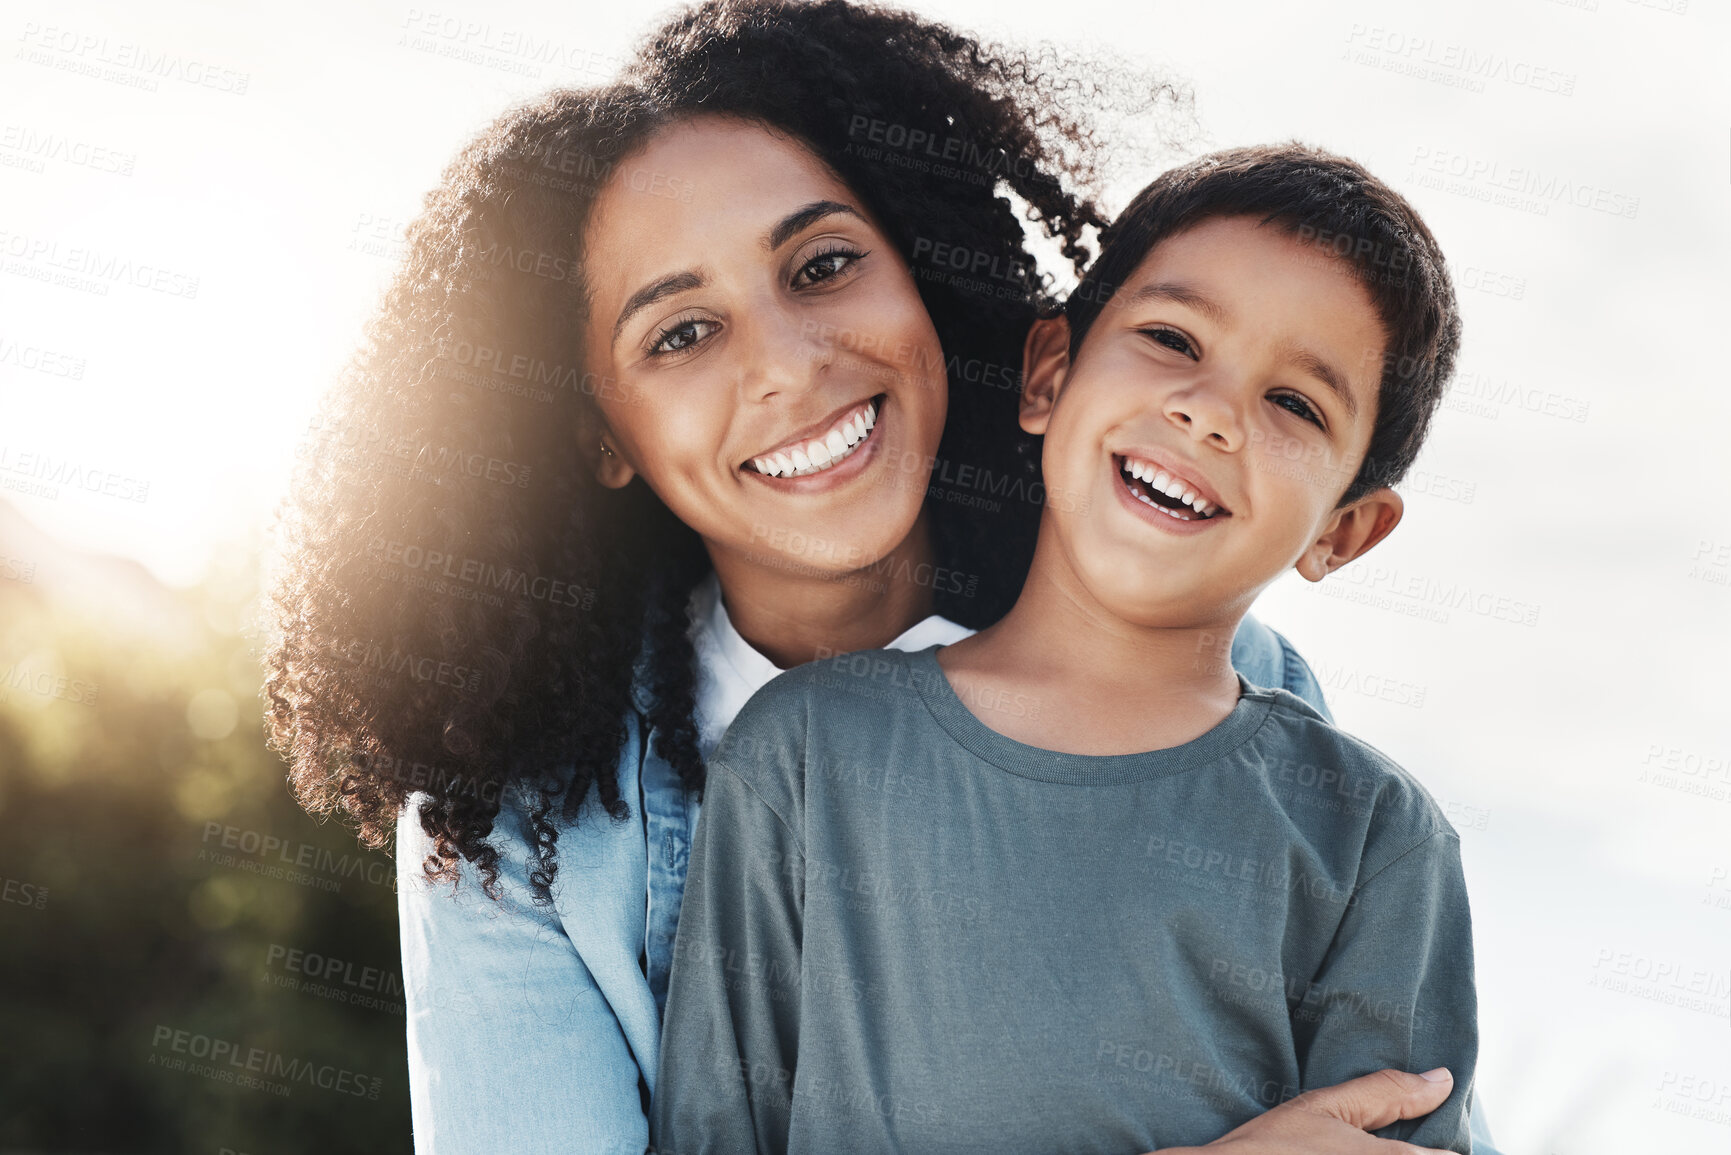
1577	481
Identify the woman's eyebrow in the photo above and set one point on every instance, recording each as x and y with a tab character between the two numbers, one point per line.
655	291
801	217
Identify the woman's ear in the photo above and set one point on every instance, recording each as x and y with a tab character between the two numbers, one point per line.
611	468
1351	532
596	442
1045	364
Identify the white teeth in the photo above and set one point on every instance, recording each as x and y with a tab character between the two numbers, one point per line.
1160	481
1152	504
823	452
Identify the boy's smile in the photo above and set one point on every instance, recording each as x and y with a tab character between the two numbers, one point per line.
1215	414
1173	490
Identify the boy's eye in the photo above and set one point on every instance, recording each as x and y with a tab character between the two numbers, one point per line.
1297	405
1172	339
680	336
827	265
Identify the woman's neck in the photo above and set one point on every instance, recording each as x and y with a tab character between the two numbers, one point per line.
793	616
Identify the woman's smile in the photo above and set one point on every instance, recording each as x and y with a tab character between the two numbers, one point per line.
836	440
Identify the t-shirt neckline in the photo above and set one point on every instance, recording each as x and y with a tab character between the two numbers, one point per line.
709	612
731	669
1019	758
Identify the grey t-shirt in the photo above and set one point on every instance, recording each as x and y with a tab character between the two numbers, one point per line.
904	931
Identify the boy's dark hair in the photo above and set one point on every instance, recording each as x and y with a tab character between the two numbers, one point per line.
1333	202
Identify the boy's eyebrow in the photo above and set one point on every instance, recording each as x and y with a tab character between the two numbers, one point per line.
1178	295
1301	358
1316	367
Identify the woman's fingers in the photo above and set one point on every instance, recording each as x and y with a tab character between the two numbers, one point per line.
1334	1120
1377	1099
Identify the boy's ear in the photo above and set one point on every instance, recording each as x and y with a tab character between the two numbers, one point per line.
1351	532
1045	365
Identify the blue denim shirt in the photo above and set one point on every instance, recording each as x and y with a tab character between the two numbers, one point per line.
536	1029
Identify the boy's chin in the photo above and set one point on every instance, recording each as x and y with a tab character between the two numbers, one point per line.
1163	607
1166	598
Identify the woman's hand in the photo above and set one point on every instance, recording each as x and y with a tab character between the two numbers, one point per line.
1336	1120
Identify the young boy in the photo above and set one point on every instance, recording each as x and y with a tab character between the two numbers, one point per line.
1071	884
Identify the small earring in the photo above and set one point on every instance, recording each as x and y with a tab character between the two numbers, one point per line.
605	448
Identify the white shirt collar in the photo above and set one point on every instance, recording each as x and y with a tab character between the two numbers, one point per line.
730	670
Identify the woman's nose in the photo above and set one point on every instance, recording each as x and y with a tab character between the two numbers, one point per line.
784	353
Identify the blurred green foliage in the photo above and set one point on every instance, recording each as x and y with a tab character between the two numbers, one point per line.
130	754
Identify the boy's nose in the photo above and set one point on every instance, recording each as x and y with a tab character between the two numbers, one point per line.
1207	416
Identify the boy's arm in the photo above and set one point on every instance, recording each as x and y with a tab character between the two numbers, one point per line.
1396	988
731	1037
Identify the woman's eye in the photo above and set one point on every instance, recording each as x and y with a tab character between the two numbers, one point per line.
827	265
1293	403
1173	340
680	335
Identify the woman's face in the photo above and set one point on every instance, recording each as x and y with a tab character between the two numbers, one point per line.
772	372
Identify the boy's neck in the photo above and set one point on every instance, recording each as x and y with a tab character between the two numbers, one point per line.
1103	685
791	616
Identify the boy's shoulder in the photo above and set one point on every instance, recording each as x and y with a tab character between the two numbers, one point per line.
1318	767
846	699
859	676
831	690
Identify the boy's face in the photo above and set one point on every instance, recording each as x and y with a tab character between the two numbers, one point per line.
1241	365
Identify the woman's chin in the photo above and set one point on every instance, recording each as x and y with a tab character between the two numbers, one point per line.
834	546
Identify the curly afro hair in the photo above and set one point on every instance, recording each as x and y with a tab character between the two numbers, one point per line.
459	606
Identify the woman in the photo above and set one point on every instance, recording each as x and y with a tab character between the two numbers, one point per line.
684	380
